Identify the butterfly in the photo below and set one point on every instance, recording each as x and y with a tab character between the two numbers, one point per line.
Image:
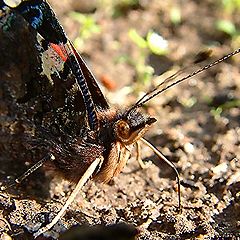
76	133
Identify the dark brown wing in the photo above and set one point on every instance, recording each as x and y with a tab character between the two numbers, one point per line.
87	95
96	92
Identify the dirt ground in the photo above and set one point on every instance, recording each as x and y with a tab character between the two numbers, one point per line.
202	142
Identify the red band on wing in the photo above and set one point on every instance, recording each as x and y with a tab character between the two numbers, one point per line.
60	51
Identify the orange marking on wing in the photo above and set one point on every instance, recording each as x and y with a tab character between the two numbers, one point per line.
60	51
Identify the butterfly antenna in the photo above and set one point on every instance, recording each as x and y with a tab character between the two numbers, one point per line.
200	57
156	91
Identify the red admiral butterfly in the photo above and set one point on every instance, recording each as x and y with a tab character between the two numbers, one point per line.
75	130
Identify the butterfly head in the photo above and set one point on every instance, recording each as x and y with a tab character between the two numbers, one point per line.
119	131
132	126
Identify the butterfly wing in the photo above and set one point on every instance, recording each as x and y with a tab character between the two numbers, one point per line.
54	41
96	92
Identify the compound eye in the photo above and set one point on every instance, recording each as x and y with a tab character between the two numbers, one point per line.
122	129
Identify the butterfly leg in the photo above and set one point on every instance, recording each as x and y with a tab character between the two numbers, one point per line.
139	159
30	170
161	156
71	198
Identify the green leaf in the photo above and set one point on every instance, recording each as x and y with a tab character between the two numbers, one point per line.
227	27
88	24
137	39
